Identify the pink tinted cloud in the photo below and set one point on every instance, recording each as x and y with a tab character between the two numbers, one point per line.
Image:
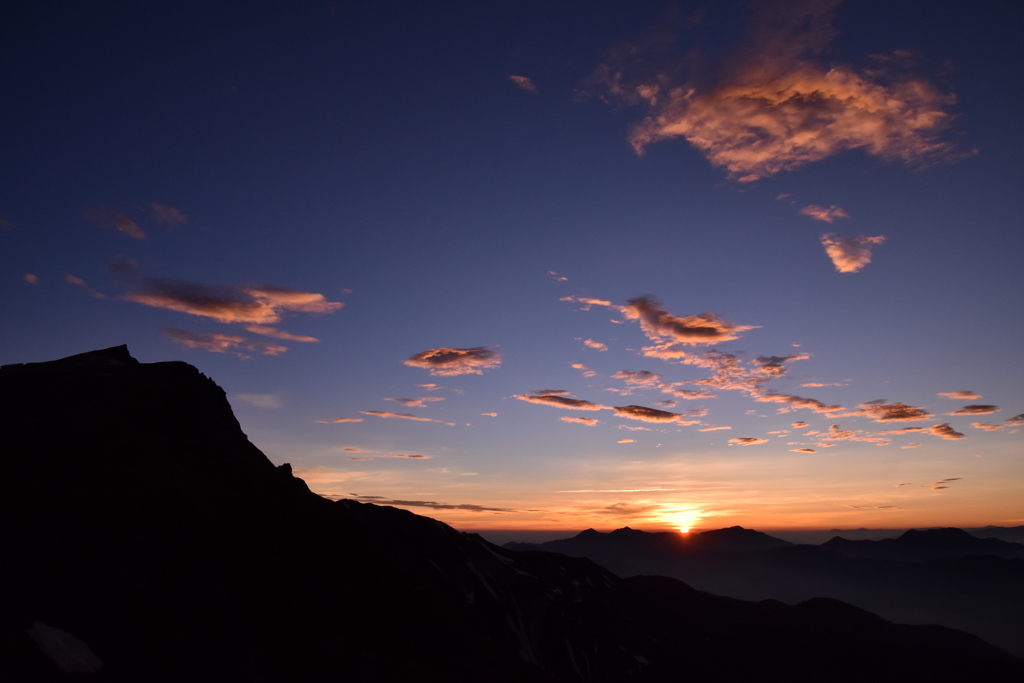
1015	420
523	83
555	397
589	421
987	427
960	395
790	402
976	409
352	449
781	105
596	345
626	441
850	254
267	331
647	414
587	372
824	213
401	416
447	362
411	457
489	414
638	378
217	342
339	420
746	441
30	278
167	215
880	411
259	304
803	450
945	431
115	219
416	402
661	326
712	429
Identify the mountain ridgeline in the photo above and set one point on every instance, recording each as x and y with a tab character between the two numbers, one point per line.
146	539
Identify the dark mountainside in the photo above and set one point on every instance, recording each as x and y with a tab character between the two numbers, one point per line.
934	576
146	539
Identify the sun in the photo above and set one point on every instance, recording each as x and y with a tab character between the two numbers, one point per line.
685	520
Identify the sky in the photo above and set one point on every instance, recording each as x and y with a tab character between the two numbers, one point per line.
534	267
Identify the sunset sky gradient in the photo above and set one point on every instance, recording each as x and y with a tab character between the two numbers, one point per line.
547	266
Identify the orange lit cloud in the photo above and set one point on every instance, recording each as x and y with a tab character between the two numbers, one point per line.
168	215
780	106
589	421
836	434
850	254
217	342
339	420
352	449
823	384
401	416
661	326
590	343
960	395
638	378
258	304
555	397
688	394
278	334
115	219
647	414
74	280
987	427
823	213
448	362
416	402
945	431
1015	420
523	83
800	424
712	429
747	441
587	302
489	414
803	450
587	372
792	402
911	445
772	366
975	410
626	441
880	411
432	505
407	455
30	278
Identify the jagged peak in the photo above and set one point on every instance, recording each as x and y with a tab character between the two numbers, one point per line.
113	356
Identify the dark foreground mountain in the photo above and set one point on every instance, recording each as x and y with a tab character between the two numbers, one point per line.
144	538
934	576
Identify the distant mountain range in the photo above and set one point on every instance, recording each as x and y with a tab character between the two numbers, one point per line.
146	539
931	576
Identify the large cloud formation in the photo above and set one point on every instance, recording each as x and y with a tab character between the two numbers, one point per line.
448	361
782	107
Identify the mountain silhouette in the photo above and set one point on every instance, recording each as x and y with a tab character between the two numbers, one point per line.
146	539
920	545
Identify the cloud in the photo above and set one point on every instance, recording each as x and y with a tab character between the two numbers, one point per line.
803	450
74	280
908	483
259	304
960	395
489	414
523	83
661	326
799	424
557	277
278	334
626	441
850	254
590	343
587	302
772	366
401	416
407	455
217	342
687	394
587	372
975	410
823	384
791	402
115	219
747	441
647	414
554	397
339	420
433	505
945	431
902	430
712	429
779	106
1015	420
259	400
911	445
880	411
638	378
873	507
416	402
822	213
30	278
589	421
446	362
987	427
834	433
352	449
360	460
168	215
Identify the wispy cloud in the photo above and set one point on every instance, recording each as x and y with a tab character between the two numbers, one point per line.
523	83
645	414
850	254
409	456
217	342
596	345
960	395
267	331
260	304
341	420
781	106
803	450
589	421
638	378
587	372
790	402
167	215
747	441
115	219
30	278
556	397
448	362
433	505
824	213
880	411
416	402
259	400
401	416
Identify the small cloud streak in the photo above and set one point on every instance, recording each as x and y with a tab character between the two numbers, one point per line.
259	400
217	342
410	456
596	345
115	219
946	432
489	414
523	83
448	362
626	441
746	441
554	397
401	416
416	402
976	409
433	505
824	213
850	254
803	450
588	421
880	411
341	420
30	278
267	331
960	395
645	414
167	215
